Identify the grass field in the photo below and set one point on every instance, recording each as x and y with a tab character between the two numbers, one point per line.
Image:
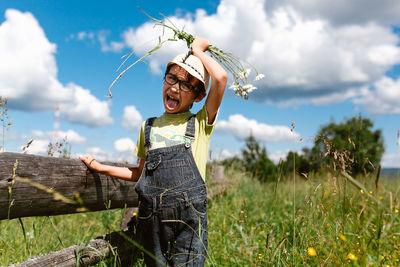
324	220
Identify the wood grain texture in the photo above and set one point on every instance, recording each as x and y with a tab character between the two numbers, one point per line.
68	177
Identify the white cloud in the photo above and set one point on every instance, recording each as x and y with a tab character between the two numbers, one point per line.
398	137
310	51
391	160
277	155
124	145
71	136
384	99
38	146
28	74
345	12
241	127
99	37
131	119
85	108
99	154
222	153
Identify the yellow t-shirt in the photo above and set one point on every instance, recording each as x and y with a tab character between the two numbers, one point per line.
170	129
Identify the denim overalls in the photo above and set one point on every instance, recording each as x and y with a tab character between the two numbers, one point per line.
172	205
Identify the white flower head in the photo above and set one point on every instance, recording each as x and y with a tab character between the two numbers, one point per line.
259	76
234	86
244	74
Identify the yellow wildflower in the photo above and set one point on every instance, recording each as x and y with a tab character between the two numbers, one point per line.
312	252
342	237
362	191
134	214
381	197
352	257
396	210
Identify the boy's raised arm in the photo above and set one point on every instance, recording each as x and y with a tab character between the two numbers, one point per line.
218	75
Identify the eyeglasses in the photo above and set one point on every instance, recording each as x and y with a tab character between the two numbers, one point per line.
185	86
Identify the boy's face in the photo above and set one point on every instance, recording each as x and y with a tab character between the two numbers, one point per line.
176	100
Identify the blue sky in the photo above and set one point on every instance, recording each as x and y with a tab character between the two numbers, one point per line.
323	62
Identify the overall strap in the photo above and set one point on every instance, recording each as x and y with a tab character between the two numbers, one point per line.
147	129
190	128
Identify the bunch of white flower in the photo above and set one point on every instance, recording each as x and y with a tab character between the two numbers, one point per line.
241	86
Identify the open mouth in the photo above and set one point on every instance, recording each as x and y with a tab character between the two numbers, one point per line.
171	102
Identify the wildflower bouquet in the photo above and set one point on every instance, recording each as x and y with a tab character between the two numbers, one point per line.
241	85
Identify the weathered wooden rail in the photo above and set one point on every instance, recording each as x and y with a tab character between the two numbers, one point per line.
33	185
68	177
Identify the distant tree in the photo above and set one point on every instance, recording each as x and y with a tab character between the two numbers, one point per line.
351	145
294	161
256	161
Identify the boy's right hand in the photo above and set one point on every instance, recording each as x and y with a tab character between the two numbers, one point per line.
91	162
200	44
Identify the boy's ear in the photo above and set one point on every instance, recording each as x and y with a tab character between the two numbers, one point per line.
200	97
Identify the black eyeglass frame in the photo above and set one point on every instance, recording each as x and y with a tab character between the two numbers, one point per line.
185	86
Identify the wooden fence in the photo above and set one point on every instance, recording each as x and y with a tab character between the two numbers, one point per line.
33	185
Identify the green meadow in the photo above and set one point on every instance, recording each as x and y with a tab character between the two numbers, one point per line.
323	220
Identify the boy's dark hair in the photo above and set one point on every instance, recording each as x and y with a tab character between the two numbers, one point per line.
198	90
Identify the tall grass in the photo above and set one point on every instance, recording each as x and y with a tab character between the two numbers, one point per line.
46	234
252	224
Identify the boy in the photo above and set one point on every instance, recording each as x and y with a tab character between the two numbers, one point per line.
173	152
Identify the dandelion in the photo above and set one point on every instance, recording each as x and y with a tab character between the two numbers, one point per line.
361	191
381	197
342	237
352	257
396	210
312	252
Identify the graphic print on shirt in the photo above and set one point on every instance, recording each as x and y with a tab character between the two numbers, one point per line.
166	137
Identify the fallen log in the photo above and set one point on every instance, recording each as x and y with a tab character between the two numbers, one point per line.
115	247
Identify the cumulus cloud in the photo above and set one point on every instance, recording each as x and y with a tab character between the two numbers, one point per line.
311	52
384	99
124	145
131	119
242	127
42	139
278	155
71	136
38	146
28	74
98	37
345	12
391	160
100	154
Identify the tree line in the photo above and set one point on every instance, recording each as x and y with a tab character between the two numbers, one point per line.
352	146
